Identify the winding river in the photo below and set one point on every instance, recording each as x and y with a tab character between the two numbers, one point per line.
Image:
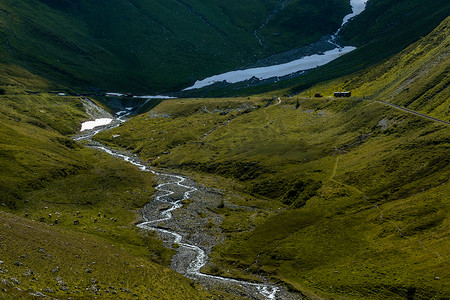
152	217
171	183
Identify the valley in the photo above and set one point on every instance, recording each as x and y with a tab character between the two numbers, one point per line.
326	183
174	193
144	50
239	186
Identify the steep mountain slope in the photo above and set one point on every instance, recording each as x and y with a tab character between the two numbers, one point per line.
153	46
149	45
417	78
300	23
388	26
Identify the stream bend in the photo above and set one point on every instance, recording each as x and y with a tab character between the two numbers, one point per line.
265	291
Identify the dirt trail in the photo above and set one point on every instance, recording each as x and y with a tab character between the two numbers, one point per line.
410	111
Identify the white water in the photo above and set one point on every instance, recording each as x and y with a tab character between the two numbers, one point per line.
268	291
88	125
302	64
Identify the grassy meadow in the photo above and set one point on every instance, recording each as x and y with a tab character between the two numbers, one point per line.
359	190
55	261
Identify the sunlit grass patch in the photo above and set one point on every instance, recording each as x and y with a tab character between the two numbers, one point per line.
367	163
62	263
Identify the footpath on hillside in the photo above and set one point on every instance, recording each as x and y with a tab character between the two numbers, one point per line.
409	111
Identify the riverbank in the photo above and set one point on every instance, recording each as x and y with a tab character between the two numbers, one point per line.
183	214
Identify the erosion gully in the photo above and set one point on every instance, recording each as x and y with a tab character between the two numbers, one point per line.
190	258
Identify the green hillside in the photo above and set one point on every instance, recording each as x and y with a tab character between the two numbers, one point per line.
417	78
68	212
38	258
345	175
337	198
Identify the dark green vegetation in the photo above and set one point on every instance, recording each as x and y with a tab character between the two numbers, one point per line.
301	23
361	190
153	46
68	212
385	28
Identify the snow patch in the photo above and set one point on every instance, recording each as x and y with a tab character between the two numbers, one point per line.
155	97
358	6
302	64
114	94
96	123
